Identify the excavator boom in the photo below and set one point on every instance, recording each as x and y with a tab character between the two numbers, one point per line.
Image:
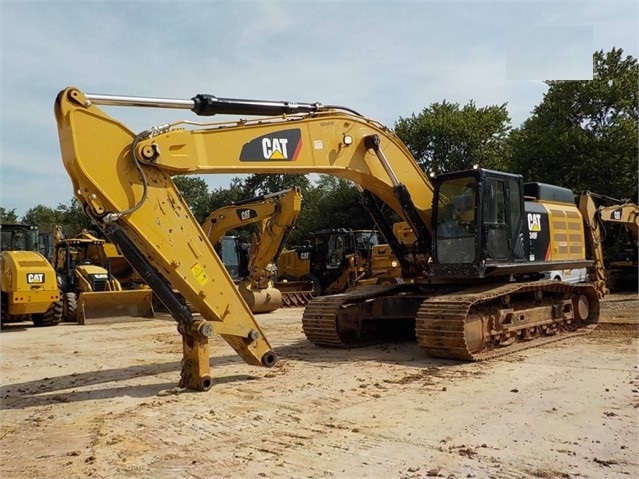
596	216
141	210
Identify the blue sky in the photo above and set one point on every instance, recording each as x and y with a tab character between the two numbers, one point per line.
383	59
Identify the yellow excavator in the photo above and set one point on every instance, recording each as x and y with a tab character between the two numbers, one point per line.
276	213
599	211
474	230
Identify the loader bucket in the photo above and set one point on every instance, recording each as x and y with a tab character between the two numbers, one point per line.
114	306
296	293
261	300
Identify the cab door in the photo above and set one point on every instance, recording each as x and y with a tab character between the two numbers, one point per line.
497	231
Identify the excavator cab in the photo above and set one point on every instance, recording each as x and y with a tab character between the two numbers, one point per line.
234	254
478	218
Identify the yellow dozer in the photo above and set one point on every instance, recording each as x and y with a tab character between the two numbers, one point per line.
27	281
91	292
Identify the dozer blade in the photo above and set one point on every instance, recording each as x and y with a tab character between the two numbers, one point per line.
296	293
115	306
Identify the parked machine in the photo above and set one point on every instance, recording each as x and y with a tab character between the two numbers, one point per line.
253	267
621	266
27	280
338	259
91	291
473	230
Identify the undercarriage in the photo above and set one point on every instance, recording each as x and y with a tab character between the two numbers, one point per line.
471	324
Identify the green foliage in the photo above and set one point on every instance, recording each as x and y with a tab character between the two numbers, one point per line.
8	216
43	217
73	218
259	184
225	196
332	203
195	192
444	137
583	135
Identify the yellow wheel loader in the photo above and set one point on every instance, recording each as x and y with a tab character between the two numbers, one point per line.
27	280
92	293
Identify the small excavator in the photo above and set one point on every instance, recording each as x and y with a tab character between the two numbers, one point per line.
475	231
276	213
620	271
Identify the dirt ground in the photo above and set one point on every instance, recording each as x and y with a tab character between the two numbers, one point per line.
91	401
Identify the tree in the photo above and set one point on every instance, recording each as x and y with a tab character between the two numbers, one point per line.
263	183
43	217
444	137
583	135
8	216
73	218
332	203
196	194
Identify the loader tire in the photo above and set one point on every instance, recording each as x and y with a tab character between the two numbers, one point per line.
4	309
70	308
51	317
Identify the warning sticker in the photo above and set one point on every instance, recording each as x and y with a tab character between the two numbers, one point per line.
200	274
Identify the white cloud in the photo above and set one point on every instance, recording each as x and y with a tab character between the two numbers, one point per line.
383	59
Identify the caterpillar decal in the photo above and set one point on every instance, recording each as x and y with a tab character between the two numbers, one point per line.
538	231
283	145
35	278
246	214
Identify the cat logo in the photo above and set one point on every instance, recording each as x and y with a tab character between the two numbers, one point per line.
616	215
275	148
283	145
245	214
35	278
534	222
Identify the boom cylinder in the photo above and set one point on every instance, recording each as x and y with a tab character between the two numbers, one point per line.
209	105
179	311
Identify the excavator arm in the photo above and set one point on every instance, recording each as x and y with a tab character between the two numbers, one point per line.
141	210
626	214
595	216
323	140
276	213
123	180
